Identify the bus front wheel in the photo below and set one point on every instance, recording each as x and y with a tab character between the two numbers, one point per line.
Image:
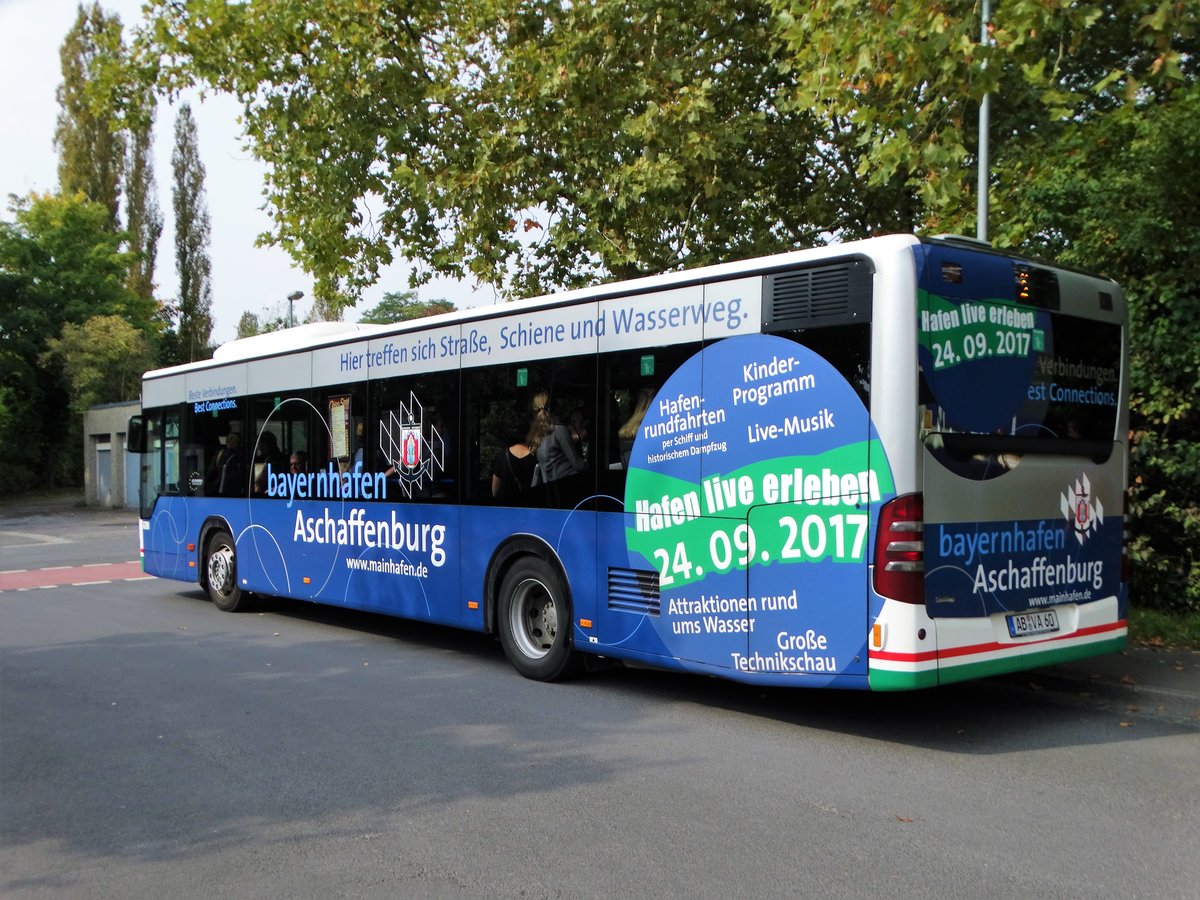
221	572
534	618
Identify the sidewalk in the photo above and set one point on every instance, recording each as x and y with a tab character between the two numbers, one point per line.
1155	679
32	507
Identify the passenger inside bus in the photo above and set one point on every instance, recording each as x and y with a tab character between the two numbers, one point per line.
269	460
628	431
227	475
512	470
551	442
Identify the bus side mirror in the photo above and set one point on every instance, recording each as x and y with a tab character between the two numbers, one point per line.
135	435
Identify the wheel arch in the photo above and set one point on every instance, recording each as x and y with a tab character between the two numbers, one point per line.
503	557
208	528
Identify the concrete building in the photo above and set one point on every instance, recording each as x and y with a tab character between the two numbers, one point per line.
110	475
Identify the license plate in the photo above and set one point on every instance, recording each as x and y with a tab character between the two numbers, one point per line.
1025	624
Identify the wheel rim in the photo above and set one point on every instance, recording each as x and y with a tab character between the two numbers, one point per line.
533	617
220	570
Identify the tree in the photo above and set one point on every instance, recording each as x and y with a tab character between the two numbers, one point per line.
1111	201
1096	129
247	325
103	360
531	145
59	263
906	80
192	230
269	320
401	306
88	137
145	223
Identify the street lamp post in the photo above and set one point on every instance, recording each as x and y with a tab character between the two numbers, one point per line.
985	112
292	298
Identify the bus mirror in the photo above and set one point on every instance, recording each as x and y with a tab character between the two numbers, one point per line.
135	435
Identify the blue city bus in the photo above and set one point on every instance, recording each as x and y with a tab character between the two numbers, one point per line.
885	464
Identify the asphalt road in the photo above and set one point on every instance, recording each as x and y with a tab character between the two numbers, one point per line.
151	746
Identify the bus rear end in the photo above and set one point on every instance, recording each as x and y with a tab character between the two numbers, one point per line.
1009	555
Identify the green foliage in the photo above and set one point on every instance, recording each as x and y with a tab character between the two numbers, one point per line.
251	324
1108	197
906	78
335	101
1095	129
616	139
88	136
62	264
59	263
530	145
192	235
1165	629
104	136
401	306
540	144
143	215
103	360
248	325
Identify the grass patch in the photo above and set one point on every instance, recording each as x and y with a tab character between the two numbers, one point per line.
1160	629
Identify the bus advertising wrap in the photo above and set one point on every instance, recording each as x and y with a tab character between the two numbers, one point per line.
1071	555
754	479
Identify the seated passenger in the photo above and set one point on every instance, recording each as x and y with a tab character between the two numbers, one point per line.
298	462
628	432
269	460
227	476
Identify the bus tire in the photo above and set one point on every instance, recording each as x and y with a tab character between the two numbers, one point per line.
220	568
534	619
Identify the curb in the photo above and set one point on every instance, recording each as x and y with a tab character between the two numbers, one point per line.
1153	681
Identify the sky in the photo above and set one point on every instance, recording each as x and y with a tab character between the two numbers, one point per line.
245	277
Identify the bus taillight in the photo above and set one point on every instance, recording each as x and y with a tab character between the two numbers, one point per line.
900	550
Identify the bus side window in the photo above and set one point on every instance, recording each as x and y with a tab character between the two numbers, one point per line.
847	348
215	451
286	420
414	423
559	391
496	414
630	381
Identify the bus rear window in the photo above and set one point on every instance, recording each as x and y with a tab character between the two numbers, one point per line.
999	364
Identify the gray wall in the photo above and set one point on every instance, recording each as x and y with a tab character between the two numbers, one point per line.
109	474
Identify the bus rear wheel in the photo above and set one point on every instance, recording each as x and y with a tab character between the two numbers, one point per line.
534	618
220	568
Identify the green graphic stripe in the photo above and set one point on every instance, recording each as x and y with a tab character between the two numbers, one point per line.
959	333
647	484
751	516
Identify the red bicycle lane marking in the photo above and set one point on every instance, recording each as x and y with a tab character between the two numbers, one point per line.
60	576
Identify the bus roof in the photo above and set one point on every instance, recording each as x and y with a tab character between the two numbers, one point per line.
321	334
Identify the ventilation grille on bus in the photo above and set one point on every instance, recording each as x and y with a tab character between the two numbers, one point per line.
633	590
837	294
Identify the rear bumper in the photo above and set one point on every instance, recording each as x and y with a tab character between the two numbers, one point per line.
962	649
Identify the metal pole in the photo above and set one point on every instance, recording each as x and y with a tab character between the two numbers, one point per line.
985	109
